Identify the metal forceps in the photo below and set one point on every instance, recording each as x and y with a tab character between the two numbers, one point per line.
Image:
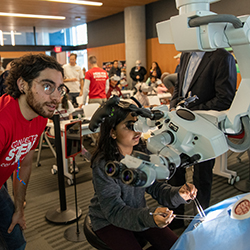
178	216
197	204
199	208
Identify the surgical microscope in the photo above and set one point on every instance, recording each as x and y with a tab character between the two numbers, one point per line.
182	137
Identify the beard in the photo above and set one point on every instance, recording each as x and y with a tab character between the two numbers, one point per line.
39	108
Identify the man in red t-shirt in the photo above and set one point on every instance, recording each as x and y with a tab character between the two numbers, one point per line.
96	83
33	92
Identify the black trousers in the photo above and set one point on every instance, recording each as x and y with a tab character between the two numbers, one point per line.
121	239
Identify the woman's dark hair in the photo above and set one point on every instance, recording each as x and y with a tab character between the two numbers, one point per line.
157	65
107	146
65	104
28	67
157	69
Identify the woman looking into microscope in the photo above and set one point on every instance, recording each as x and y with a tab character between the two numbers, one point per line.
118	212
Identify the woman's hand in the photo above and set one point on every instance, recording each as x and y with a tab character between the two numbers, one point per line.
163	216
188	191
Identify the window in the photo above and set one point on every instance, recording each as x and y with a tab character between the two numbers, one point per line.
66	37
70	37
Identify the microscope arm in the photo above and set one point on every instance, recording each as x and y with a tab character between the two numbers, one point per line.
206	31
183	137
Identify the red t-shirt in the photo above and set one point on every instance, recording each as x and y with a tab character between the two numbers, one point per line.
17	135
97	78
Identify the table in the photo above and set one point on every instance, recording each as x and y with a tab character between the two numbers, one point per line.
131	93
78	111
219	231
165	95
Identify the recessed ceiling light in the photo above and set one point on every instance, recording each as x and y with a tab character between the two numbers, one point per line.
12	38
1	38
77	18
15	33
32	16
78	2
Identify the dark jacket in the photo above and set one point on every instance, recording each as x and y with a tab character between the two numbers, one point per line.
125	206
115	71
214	81
141	72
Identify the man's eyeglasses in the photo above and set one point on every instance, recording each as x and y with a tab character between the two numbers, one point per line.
49	88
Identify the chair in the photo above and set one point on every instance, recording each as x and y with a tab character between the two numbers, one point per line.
91	237
95	241
79	100
89	110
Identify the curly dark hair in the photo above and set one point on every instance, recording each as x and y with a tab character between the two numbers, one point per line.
28	67
107	146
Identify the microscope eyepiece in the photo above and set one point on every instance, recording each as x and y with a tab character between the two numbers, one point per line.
134	177
114	168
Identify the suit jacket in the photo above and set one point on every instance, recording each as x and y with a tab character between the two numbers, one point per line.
214	81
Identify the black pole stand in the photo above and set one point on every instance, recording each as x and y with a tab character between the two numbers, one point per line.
74	233
244	185
61	215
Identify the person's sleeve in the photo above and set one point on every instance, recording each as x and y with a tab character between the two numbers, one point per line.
224	84
112	71
143	72
114	208
88	75
107	86
148	81
165	194
85	90
64	71
81	74
147	103
175	97
132	74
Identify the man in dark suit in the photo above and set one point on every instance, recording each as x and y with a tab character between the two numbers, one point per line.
212	77
214	81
